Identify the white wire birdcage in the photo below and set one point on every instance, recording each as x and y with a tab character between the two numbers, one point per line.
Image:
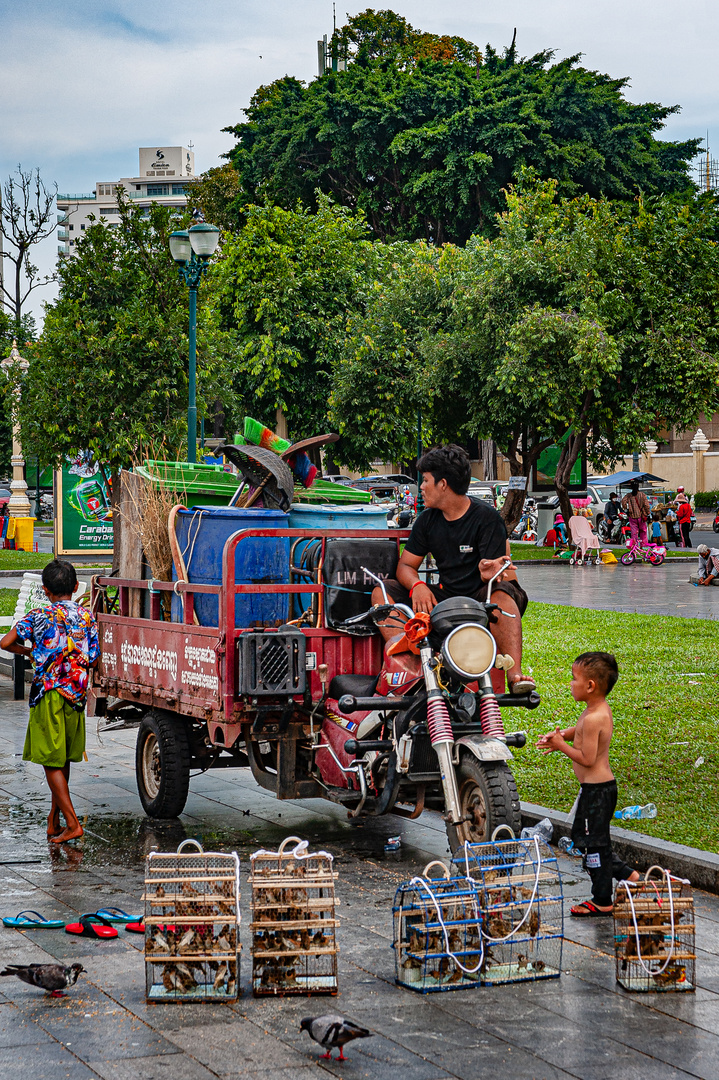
654	934
192	925
294	944
520	893
437	933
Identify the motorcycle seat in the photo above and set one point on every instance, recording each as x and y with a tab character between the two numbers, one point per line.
357	685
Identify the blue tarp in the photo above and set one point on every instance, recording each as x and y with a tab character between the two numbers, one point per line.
625	477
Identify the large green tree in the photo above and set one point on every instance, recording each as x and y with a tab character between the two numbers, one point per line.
288	282
109	372
422	134
583	320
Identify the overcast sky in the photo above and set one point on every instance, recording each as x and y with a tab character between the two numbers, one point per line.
84	84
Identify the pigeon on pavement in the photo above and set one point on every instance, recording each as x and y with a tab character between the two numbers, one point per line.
333	1030
51	977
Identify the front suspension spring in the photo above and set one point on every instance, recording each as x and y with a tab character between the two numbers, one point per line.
438	722
490	716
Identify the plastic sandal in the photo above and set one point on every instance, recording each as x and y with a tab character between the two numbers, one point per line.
135	927
89	927
38	923
117	915
589	910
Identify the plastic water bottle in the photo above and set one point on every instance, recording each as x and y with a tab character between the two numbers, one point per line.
543	829
566	846
634	813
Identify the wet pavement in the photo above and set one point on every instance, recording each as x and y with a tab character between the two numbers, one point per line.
581	1025
652	590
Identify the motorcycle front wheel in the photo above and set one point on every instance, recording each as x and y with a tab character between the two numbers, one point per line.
488	797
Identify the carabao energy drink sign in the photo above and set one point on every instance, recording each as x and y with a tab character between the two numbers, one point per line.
83	522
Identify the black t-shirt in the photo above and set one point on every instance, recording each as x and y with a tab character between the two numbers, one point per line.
459	545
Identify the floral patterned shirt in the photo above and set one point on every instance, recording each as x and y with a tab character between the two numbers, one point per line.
64	644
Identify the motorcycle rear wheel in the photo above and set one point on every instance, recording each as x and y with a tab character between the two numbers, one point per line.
715	526
488	797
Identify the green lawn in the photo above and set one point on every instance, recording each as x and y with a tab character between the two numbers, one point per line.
8	600
530	551
666	714
23	560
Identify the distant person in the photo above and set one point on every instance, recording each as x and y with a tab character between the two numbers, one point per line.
684	517
656	531
64	646
587	746
708	564
670	520
636	506
611	509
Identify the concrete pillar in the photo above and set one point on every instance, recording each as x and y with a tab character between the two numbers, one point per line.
699	445
19	504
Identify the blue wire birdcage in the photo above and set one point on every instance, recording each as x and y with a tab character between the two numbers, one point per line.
437	933
521	901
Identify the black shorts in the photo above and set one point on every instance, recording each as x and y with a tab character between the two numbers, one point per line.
512	588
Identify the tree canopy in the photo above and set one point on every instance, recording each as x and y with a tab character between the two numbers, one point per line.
582	316
422	134
288	281
109	372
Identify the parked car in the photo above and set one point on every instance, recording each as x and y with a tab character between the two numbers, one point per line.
4	498
337	478
398	479
482	489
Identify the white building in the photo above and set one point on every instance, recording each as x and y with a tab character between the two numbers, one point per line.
163	178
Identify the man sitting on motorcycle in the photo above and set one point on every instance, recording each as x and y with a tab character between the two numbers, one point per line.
468	540
611	510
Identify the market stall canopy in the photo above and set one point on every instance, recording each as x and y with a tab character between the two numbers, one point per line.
625	477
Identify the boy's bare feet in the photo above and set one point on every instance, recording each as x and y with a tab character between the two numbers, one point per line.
53	823
67	834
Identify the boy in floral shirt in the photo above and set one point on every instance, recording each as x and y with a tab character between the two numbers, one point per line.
64	646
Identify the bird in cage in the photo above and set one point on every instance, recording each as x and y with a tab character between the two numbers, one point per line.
160	892
319	939
673	973
533	924
220	977
232	976
411	963
498	927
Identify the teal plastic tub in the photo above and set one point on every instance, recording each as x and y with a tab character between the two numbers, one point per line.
337	518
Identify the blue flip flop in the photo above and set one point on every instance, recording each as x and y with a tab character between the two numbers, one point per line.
19	922
117	915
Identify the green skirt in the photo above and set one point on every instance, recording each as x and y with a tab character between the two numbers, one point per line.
55	733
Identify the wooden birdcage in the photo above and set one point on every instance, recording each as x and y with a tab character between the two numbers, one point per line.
192	925
437	933
520	895
654	934
294	945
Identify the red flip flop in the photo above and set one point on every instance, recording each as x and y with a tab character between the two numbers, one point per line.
589	910
92	925
135	927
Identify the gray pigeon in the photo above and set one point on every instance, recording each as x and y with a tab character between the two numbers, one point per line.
51	977
333	1030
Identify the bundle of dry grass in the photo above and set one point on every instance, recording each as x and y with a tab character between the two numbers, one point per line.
146	511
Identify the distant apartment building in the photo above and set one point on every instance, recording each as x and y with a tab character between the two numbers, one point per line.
164	176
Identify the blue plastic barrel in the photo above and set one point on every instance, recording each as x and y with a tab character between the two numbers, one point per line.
201	534
331	517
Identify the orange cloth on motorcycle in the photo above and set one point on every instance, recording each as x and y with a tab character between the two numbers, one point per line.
637	506
459	546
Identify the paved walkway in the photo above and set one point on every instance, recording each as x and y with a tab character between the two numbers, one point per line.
653	590
580	1026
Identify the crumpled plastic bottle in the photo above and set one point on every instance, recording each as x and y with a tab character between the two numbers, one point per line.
566	846
634	813
543	829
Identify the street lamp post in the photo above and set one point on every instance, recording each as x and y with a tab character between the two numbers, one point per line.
192	250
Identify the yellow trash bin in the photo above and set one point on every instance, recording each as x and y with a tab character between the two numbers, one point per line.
24	532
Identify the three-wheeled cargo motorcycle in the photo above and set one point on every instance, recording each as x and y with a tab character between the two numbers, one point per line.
315	707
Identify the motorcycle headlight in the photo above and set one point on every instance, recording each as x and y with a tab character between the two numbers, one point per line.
469	651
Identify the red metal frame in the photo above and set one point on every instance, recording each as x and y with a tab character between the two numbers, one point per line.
191	682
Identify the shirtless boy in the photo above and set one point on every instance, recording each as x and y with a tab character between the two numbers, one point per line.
587	745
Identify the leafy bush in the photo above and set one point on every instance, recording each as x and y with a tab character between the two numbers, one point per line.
706	500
